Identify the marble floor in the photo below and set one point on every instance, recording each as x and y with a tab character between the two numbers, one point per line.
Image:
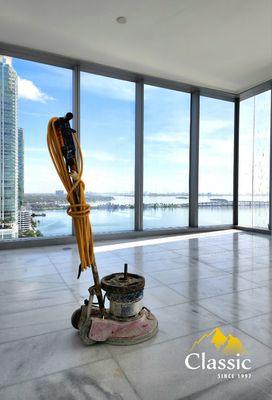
194	284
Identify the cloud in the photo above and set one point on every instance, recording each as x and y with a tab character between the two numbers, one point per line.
108	87
35	114
99	155
29	91
210	126
105	180
103	156
169	137
178	158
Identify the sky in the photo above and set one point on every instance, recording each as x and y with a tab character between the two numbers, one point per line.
107	133
254	145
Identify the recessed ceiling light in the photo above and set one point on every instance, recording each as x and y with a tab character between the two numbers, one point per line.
121	20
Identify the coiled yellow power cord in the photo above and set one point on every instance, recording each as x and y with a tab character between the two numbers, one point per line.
78	209
73	182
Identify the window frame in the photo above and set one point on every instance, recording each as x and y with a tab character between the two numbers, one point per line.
78	66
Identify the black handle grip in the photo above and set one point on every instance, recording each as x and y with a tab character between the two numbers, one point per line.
68	116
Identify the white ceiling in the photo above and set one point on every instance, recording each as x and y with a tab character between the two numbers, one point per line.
223	44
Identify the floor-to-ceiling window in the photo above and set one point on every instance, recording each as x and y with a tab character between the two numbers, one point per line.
107	137
216	140
166	158
254	150
33	202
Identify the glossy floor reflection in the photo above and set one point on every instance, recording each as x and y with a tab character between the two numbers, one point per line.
193	285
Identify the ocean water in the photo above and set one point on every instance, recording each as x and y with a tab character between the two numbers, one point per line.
57	222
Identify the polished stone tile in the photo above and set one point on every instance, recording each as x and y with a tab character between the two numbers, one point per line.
240	305
63	260
258	387
189	253
70	277
101	380
254	251
155	266
160	256
210	251
18	302
238	265
180	245
212	286
185	274
185	319
44	357
195	263
214	258
150	282
23	256
31	261
36	322
138	250
64	265
259	327
45	354
107	258
72	267
262	276
162	296
26	271
21	285
159	372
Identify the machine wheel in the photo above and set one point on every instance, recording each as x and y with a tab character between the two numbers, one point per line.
75	318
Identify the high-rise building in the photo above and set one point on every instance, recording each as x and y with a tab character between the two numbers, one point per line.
21	155
24	219
8	149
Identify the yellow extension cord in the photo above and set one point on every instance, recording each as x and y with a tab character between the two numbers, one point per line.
72	182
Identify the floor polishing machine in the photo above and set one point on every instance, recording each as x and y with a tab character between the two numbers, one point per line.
126	321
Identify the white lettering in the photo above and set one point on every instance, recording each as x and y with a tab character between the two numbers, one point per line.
244	363
211	363
221	364
196	361
231	363
188	358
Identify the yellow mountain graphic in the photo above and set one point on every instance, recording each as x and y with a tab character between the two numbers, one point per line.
228	345
233	346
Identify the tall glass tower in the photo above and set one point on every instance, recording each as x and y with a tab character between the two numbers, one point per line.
8	149
20	166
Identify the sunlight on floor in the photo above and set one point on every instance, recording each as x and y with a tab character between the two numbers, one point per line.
160	240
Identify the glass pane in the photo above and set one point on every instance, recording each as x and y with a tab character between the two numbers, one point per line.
216	138
254	143
166	158
107	137
31	202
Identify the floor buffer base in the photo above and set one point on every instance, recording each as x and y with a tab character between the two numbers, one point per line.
126	332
